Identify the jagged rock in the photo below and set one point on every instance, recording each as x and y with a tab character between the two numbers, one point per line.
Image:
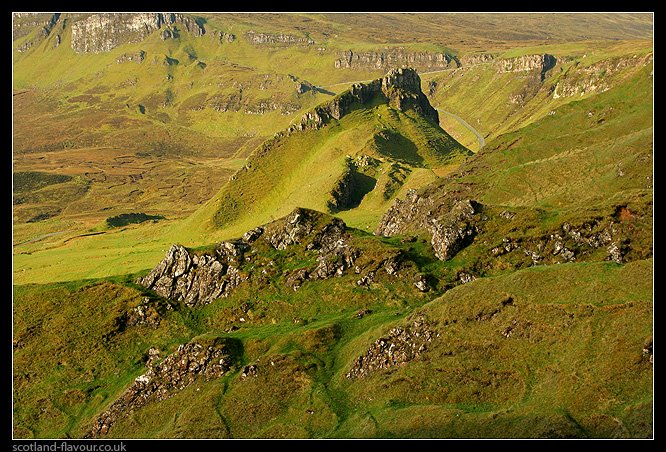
453	232
249	371
291	231
163	380
401	88
421	283
394	58
199	279
614	253
392	264
253	234
297	277
405	215
399	346
366	280
196	280
465	277
153	355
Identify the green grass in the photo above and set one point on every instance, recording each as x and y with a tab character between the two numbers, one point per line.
563	358
572	365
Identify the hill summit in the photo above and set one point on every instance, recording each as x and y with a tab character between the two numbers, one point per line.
354	153
400	89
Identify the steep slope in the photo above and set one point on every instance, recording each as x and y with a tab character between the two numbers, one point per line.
510	298
500	92
574	185
351	155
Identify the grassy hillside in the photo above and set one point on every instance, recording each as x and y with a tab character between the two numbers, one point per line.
562	359
538	324
495	103
302	169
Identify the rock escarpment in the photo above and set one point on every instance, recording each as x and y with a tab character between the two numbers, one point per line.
541	63
277	38
394	58
102	32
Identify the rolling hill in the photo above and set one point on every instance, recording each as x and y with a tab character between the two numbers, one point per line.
275	226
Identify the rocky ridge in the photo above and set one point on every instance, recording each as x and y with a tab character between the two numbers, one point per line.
400	88
453	222
277	38
198	279
164	378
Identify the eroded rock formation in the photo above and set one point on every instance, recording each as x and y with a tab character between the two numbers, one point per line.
394	58
164	379
400	88
102	32
401	345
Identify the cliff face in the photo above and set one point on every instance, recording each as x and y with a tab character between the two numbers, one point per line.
525	63
394	58
103	32
277	38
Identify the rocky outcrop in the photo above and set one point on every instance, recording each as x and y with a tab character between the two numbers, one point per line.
476	58
568	243
352	186
525	63
451	224
164	379
541	63
223	37
24	23
453	231
102	32
400	88
401	345
197	279
394	58
277	38
597	77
